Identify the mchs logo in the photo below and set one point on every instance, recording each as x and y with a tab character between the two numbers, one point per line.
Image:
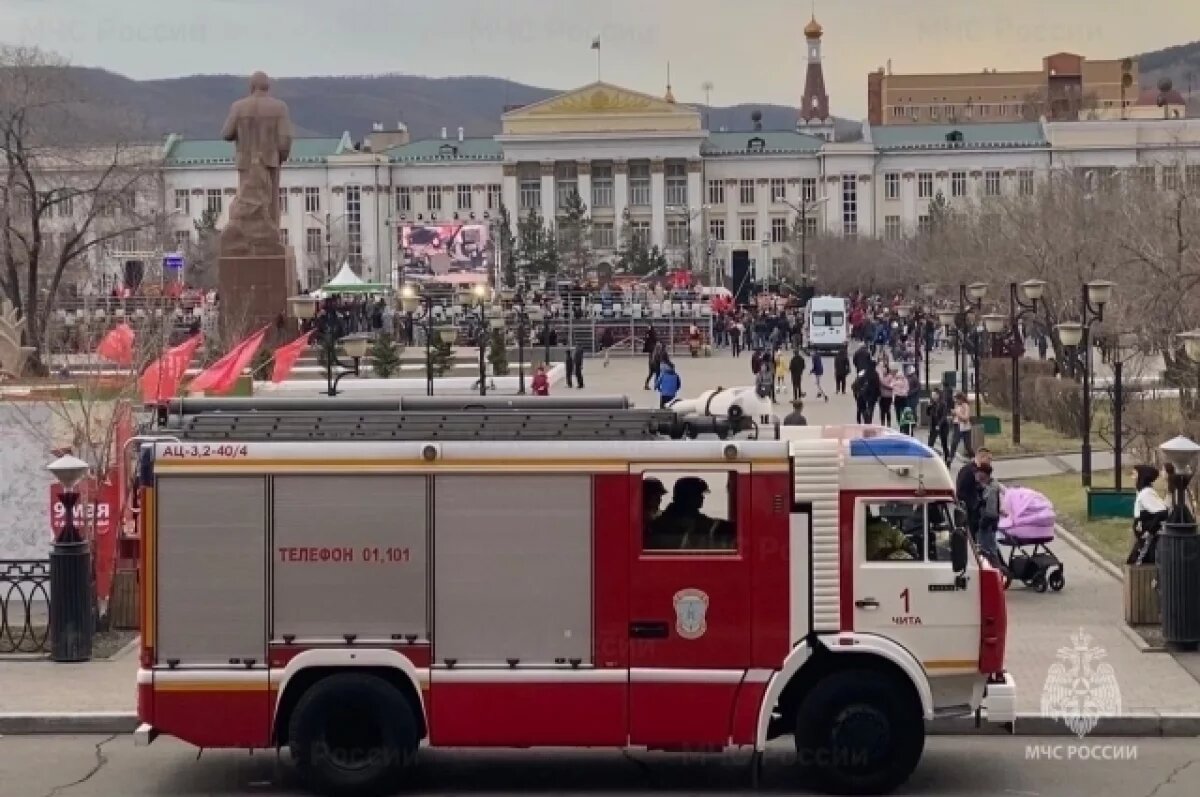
1081	687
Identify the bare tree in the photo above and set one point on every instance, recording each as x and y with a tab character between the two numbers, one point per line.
61	203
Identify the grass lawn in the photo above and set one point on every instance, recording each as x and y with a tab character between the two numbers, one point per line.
1110	538
1035	438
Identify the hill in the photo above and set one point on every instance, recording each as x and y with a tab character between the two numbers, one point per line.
1181	64
326	106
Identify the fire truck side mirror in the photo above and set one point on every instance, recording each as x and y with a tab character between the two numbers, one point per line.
959	551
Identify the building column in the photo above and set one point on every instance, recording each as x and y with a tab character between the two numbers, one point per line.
620	197
733	227
584	171
508	195
762	224
696	199
658	203
548	203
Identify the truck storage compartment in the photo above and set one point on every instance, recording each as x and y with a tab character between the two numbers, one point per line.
211	570
513	569
349	557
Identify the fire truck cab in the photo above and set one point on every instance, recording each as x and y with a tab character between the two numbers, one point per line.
357	585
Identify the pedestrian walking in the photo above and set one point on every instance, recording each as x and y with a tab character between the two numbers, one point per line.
885	397
938	413
577	359
540	385
654	364
990	512
607	341
961	417
841	370
764	383
667	384
796	368
818	370
781	368
737	334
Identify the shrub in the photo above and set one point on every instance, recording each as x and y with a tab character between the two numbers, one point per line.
385	356
498	353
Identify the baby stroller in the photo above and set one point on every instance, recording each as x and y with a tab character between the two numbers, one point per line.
1025	530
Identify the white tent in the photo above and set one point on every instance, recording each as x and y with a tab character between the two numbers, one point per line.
346	281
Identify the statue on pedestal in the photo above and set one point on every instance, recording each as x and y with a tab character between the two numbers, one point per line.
261	129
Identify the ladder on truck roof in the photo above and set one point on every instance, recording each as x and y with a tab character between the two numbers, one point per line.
421	426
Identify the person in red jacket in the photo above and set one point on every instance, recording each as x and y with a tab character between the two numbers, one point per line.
541	382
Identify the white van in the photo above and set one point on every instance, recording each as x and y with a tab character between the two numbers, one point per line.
826	324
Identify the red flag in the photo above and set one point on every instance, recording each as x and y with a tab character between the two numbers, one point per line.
117	345
286	356
221	376
161	380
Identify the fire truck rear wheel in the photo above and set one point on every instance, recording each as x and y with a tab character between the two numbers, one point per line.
859	733
351	734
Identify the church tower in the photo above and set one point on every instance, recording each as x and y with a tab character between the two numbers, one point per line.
814	108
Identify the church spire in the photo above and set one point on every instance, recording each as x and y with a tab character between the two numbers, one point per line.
814	107
670	96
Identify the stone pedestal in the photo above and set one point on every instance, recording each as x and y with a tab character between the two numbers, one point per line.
254	290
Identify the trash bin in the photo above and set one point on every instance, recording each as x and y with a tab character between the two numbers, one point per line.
950	380
1179	583
923	413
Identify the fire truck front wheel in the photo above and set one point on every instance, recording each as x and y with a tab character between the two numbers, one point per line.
859	732
352	734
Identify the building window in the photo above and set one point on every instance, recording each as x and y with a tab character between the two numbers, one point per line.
283	203
716	229
354	225
464	197
958	184
283	237
639	232
891	185
925	185
924	224
312	200
602	186
66	204
808	189
991	182
183	201
779	231
494	199
213	202
677	233
639	184
810	226
676	184
1025	182
778	189
746	192
602	236
891	227
1193	177
748	230
530	195
849	205
182	239
1170	178
716	192
403	199
1145	176
312	241
433	197
566	183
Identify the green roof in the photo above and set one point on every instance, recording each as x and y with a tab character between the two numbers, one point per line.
774	142
184	152
1001	135
434	150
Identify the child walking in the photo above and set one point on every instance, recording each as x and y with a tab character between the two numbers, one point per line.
818	370
907	421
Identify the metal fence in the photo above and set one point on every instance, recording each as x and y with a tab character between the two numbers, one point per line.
24	605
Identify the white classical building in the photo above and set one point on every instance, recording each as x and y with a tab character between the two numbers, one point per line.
648	164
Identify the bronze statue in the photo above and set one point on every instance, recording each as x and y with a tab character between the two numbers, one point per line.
261	130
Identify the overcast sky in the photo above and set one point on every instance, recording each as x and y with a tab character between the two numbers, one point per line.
751	50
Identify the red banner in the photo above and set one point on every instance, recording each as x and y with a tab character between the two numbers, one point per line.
100	507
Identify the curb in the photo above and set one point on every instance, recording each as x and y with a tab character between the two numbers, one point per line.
1089	553
1142	724
49	722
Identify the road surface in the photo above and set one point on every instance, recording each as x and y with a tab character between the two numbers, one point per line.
42	766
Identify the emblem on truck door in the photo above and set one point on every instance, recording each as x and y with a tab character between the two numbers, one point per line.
690	607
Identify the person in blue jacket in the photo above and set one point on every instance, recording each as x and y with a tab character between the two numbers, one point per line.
667	384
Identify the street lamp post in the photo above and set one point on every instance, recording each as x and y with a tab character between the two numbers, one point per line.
970	300
1033	291
304	308
1093	296
476	299
71	627
410	300
1178	551
949	321
928	291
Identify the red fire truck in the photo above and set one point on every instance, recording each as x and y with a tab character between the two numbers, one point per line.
356	583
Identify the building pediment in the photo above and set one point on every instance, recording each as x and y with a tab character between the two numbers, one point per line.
601	108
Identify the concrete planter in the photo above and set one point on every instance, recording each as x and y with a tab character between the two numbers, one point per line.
1109	503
